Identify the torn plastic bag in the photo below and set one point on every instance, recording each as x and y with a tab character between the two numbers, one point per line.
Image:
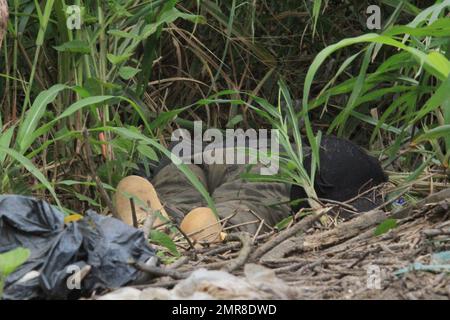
103	243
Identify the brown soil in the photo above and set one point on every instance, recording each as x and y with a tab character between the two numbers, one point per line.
335	262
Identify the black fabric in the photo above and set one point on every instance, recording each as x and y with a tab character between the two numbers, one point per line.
346	171
104	243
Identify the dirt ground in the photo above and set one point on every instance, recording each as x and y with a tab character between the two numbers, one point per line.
344	260
342	271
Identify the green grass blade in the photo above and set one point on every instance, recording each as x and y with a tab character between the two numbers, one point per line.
30	167
34	116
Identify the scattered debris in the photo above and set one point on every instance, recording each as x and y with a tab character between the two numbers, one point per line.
94	250
344	261
258	283
306	260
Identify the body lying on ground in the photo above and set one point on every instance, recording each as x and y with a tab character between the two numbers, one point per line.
346	171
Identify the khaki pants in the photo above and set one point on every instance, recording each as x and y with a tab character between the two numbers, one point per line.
245	203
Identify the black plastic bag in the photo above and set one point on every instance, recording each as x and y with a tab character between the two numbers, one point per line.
106	244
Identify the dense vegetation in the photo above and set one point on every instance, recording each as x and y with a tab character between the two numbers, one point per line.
137	70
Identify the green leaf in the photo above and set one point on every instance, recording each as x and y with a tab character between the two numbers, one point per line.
127	73
164	240
316	13
122	34
147	151
13	259
439	98
28	165
446	112
438	61
118	59
87	199
86	102
5	142
234	121
167	17
283	223
438	132
84	183
385	226
43	21
357	91
74	46
432	63
34	115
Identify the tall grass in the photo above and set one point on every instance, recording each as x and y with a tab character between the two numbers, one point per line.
136	70
99	73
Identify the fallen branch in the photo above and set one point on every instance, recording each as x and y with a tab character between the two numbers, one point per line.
244	254
218	250
180	262
301	226
355	228
160	272
337	235
191	245
436	232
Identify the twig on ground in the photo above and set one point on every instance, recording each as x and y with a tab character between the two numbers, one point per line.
180	262
148	223
289	268
311	265
301	226
133	213
328	238
340	204
240	225
261	219
244	254
436	232
360	195
160	272
257	231
159	284
191	245
218	250
360	259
